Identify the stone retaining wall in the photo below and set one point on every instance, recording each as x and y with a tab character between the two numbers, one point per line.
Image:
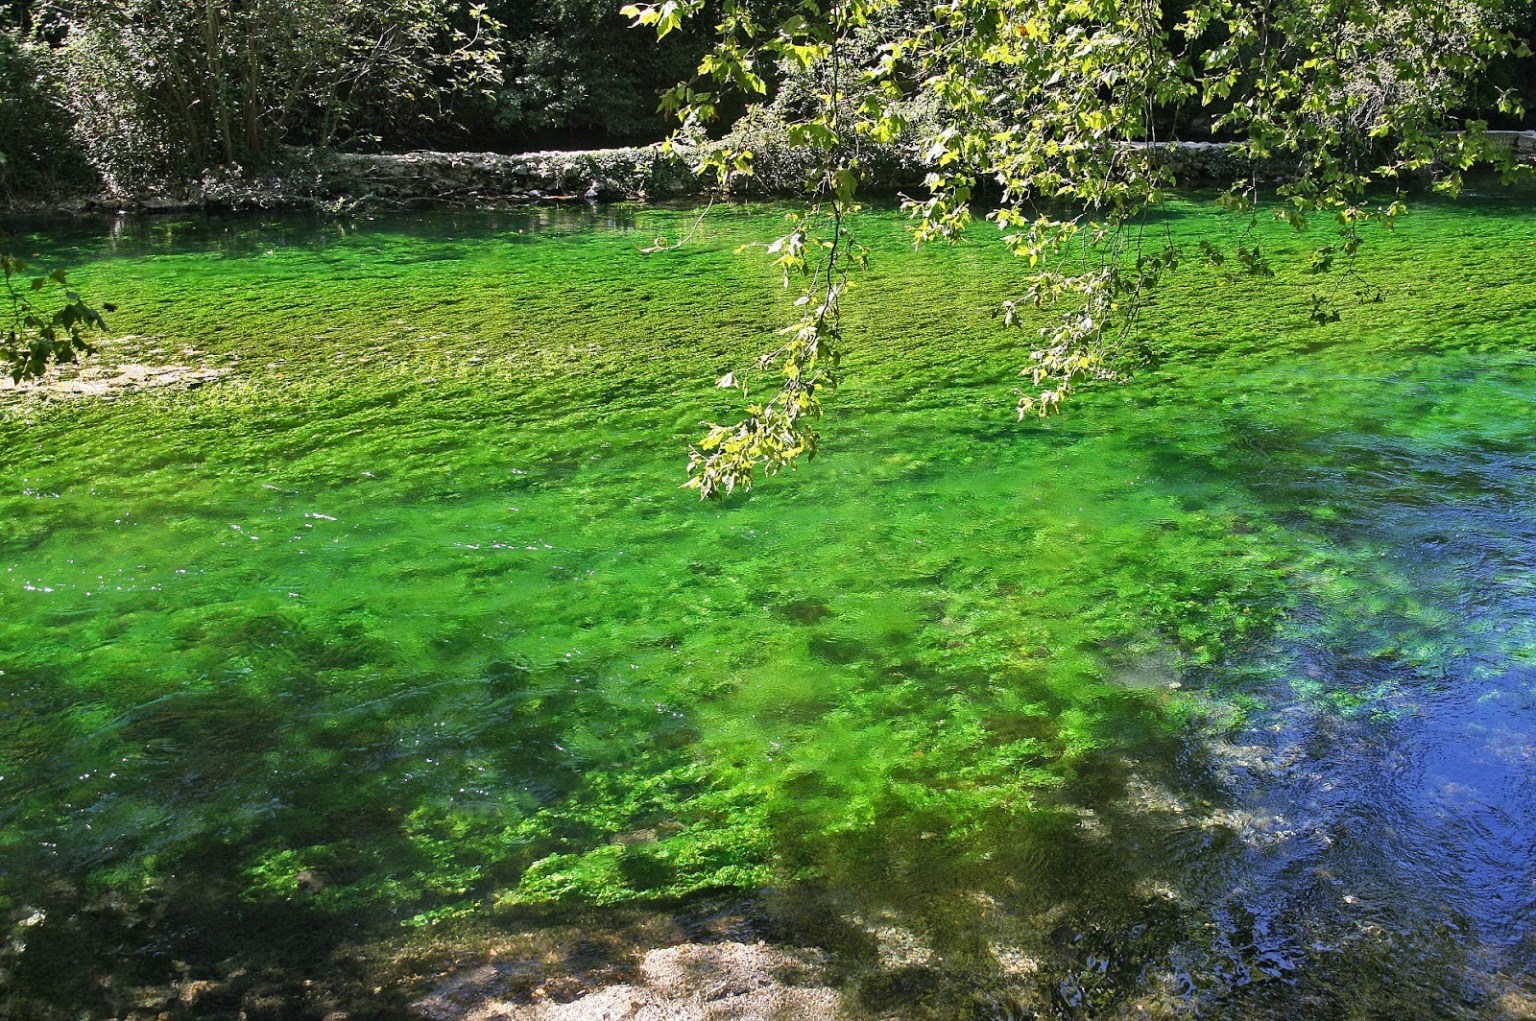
647	173
472	177
343	181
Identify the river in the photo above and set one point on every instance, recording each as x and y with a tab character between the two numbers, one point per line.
397	648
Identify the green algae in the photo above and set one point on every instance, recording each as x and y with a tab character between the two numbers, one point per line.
413	600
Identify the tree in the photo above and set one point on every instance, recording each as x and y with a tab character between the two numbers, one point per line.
40	154
164	89
34	126
1053	111
573	68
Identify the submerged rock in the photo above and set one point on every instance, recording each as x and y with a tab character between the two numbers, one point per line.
478	178
726	981
311	882
113	381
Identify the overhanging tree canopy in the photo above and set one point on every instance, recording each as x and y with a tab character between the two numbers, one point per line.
1054	109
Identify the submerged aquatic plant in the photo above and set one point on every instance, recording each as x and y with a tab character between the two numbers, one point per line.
406	623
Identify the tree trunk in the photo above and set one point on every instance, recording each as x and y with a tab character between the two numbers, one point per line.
218	96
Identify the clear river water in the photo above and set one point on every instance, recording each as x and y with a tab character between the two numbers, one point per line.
1215	697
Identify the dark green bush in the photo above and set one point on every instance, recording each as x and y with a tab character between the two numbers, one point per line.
576	71
41	157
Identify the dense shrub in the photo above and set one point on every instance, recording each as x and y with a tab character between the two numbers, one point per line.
164	89
780	167
148	95
39	155
576	71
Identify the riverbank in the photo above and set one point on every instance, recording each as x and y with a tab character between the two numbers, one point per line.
327	181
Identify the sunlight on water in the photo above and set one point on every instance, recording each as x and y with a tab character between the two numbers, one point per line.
1215	695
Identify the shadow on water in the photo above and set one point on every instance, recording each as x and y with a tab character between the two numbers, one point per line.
1387	858
1381	858
337	768
139	906
1362	838
1320	866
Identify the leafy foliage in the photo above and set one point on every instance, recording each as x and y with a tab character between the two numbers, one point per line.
38	336
152	93
37	152
572	67
1054	109
166	89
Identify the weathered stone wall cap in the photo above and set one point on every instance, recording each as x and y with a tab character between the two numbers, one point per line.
455	176
342	182
1523	141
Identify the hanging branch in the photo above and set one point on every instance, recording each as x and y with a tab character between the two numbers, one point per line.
36	337
1055	104
817	253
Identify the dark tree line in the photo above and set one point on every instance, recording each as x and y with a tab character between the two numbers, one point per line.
141	92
